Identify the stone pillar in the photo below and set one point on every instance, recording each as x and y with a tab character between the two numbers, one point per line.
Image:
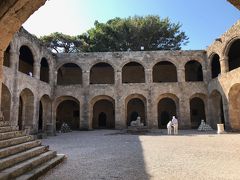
36	70
224	64
84	120
184	112
36	105
119	102
14	59
205	75
181	75
148	76
1	80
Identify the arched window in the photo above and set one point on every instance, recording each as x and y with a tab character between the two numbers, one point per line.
69	74
164	72
234	55
44	71
193	71
26	61
133	72
215	66
102	73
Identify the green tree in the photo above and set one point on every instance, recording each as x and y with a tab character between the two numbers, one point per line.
61	43
122	34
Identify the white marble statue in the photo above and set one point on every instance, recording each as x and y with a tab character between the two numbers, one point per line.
137	122
169	127
175	125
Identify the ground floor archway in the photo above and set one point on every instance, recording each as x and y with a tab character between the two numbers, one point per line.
6	103
197	112
166	109
216	109
68	112
234	107
103	114
45	109
26	109
136	107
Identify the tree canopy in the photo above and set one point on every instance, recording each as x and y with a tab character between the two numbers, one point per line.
122	34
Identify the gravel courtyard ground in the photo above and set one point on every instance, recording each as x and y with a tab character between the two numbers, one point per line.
106	154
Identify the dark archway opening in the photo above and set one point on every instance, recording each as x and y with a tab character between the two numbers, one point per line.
102	73
215	66
164	72
20	112
166	109
44	71
69	74
6	103
6	59
133	72
197	112
135	108
26	61
68	112
234	55
40	119
103	114
193	71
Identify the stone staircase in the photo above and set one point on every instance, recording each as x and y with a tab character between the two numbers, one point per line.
22	156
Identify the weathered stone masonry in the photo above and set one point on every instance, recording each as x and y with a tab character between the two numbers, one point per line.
108	90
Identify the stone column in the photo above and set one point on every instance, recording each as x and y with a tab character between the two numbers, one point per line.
36	105
1	80
181	74
205	75
184	112
14	59
36	70
148	76
84	120
119	102
224	64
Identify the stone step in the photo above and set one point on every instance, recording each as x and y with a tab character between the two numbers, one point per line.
8	128
19	157
11	134
4	123
15	141
28	165
18	148
43	168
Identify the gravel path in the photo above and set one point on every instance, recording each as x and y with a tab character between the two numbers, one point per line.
105	155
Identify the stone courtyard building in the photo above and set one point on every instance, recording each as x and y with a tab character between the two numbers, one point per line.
108	90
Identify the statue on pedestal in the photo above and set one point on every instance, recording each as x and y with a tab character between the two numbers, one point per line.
137	122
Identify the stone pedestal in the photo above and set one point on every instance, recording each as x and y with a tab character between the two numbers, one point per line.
220	128
137	129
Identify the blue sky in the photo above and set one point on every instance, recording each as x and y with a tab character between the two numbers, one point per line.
202	20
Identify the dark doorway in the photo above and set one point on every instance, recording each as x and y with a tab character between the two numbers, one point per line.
40	119
102	120
135	108
20	111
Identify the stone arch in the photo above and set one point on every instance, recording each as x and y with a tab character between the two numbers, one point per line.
44	70
216	108
45	116
164	71
26	60
6	58
136	105
233	54
193	71
102	73
67	111
215	65
197	110
26	109
69	74
133	72
168	106
102	113
234	106
6	103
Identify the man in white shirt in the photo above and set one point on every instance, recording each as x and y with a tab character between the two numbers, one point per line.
175	125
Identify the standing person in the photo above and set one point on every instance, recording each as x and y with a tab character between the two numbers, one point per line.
175	125
169	127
